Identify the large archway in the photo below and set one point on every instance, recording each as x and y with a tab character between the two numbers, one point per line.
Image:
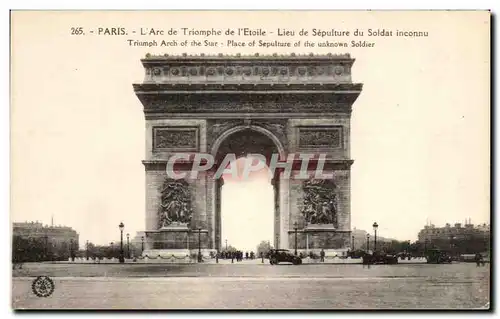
240	144
247	104
247	210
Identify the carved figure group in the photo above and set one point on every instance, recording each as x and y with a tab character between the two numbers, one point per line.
175	205
320	205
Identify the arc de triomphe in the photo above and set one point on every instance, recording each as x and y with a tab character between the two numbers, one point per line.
290	105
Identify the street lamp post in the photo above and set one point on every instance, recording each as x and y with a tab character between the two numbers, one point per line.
71	249
142	244
226	244
112	250
352	242
46	248
367	242
199	245
295	229
375	226
128	246
87	250
121	227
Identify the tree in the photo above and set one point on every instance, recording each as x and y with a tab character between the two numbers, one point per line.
263	247
230	248
30	249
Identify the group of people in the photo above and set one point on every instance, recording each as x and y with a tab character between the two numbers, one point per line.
238	255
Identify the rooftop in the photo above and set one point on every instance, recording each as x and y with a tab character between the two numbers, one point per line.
255	56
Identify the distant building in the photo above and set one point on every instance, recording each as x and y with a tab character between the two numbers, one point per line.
360	239
55	236
431	232
465	238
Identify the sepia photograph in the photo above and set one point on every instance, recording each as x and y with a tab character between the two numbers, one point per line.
250	160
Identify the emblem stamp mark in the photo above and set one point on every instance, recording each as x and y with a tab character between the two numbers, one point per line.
43	286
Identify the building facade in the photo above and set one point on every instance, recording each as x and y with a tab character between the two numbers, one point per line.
55	241
461	238
269	105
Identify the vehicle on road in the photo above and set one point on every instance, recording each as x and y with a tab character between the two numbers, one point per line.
277	256
356	253
380	259
436	256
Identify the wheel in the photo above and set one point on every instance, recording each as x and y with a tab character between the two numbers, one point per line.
273	261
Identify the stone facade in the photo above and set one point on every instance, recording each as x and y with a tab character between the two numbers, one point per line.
249	104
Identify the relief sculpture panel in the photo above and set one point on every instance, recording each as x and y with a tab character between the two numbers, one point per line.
175	205
320	202
217	127
176	138
320	137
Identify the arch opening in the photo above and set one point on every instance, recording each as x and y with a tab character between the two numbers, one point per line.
247	207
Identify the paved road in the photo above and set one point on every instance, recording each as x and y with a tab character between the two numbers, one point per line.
298	287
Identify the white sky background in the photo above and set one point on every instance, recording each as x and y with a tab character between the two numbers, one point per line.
247	206
419	137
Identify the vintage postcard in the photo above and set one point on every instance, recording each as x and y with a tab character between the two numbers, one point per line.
250	160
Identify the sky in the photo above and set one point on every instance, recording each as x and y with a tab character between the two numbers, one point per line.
247	207
419	129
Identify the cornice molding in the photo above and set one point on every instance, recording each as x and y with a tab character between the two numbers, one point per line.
189	69
238	56
329	164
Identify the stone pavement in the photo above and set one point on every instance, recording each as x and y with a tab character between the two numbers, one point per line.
456	286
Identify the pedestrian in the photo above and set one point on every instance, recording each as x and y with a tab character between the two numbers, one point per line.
479	260
322	255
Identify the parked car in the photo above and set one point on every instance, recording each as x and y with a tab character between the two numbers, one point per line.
356	253
277	256
380	258
436	256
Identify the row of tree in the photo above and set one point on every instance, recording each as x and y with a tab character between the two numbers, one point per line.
469	245
455	247
38	249
42	249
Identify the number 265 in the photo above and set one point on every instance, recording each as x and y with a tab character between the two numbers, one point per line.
77	31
